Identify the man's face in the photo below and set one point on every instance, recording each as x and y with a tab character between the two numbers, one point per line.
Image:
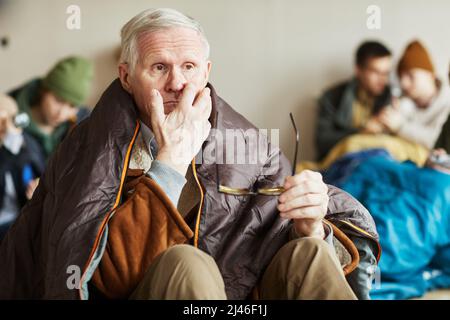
167	60
374	75
416	83
53	109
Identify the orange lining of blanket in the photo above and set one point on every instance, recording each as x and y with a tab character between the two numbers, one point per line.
116	203
349	245
197	224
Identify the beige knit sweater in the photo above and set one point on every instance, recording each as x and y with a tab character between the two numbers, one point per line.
424	125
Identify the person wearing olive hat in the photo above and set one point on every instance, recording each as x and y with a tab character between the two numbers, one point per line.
54	102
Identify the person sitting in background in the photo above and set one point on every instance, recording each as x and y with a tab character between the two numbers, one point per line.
18	167
52	103
421	114
350	107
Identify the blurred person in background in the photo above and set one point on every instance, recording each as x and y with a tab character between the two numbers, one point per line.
422	111
54	102
351	107
18	167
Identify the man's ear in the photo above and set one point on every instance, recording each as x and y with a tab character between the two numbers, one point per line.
207	71
124	76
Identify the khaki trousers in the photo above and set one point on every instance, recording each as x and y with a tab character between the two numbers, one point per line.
303	269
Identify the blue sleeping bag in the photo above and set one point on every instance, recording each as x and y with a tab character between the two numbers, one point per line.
411	208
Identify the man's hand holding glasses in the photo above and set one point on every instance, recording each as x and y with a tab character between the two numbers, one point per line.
303	197
305	200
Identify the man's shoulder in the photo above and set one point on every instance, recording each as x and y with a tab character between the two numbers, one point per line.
82	113
337	90
25	93
229	118
234	120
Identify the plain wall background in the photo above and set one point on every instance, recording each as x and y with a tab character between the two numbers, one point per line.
270	57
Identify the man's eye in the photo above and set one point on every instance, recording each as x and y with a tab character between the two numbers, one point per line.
189	66
159	67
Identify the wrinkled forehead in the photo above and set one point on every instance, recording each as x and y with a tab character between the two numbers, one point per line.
171	43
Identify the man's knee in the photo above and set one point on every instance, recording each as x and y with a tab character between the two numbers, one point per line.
184	253
310	243
308	246
189	262
305	268
302	252
182	272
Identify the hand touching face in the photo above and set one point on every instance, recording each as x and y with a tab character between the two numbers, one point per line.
167	61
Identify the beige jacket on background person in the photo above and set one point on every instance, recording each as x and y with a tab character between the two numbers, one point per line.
424	125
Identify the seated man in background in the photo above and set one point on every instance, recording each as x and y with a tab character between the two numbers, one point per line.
351	107
18	167
138	200
421	113
53	102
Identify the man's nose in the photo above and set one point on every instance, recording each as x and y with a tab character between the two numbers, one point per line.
176	81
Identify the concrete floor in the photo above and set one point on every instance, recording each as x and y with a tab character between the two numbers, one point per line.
437	295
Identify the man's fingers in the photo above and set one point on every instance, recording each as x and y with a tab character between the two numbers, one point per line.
303	188
313	212
203	98
303	176
156	109
206	130
306	200
187	97
203	104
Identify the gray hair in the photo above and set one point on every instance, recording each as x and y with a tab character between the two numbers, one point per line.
153	20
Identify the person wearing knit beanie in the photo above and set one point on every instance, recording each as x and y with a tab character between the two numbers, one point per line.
423	109
54	102
415	56
417	76
70	79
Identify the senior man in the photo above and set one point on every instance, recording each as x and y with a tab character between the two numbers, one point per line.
125	202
